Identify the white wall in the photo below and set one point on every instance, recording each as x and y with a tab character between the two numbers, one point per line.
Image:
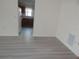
58	18
8	18
45	22
68	25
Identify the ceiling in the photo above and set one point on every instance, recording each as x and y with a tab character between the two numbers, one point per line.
27	3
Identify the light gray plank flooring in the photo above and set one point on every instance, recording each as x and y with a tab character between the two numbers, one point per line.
34	48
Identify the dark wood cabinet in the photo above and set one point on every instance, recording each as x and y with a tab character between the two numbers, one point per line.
27	22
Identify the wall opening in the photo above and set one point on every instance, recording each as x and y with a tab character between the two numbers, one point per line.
26	17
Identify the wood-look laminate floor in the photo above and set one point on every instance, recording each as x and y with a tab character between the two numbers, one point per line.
34	48
26	47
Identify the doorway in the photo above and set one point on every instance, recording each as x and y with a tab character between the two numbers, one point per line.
26	17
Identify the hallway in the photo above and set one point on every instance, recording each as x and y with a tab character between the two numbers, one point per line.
34	48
